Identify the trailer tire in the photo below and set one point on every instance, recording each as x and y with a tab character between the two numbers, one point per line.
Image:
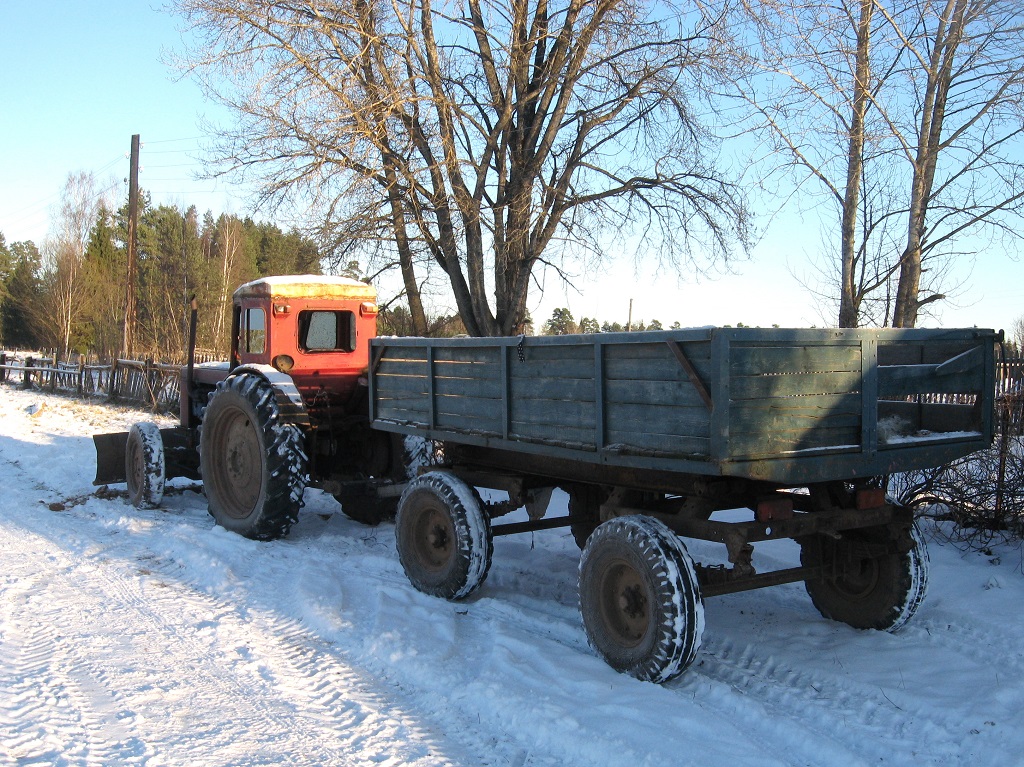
144	466
443	536
253	465
883	594
640	598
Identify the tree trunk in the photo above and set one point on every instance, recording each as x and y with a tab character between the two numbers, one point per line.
849	304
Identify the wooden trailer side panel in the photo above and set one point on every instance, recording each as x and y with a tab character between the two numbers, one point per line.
788	406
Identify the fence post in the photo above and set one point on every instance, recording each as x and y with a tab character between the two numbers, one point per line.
26	382
112	383
3	370
53	372
81	376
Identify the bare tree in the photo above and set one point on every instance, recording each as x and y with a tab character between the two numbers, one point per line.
908	116
965	76
476	134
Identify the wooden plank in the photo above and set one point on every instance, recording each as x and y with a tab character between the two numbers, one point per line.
759	419
772	443
467	424
546	434
405	353
676	393
667	369
476	370
468	387
961	363
937	352
555	412
654	351
468	354
758	387
922	352
413	401
937	417
580	351
663	419
475	407
402	367
567	368
387	384
642	443
572	389
389	412
754	360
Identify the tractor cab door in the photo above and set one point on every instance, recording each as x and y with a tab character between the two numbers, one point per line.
252	341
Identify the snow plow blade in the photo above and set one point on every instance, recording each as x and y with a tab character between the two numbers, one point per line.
110	449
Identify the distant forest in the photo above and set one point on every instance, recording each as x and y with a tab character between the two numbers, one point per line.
69	293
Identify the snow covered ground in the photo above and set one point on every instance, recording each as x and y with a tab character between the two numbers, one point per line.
154	638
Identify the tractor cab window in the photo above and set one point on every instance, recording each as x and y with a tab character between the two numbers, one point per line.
254	331
323	331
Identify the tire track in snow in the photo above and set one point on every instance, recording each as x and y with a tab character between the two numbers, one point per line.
851	722
268	686
53	710
987	648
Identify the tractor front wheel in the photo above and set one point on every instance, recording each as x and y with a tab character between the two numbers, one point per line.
144	466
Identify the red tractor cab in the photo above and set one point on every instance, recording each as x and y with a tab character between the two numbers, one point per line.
315	329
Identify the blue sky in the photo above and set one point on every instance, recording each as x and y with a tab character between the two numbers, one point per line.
79	78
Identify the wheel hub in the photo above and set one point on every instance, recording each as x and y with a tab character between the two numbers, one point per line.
625	604
437	537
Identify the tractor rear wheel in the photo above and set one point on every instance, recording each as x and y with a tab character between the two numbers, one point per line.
254	466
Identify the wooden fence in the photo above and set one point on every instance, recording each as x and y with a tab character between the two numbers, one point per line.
150	384
155	385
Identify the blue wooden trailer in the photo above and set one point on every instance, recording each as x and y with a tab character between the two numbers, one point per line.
652	433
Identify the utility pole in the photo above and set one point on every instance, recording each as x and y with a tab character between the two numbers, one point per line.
629	322
130	310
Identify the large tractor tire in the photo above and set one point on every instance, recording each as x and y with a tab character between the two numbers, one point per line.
881	592
443	536
640	598
144	466
254	466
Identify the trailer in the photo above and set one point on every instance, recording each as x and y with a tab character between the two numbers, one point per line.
651	434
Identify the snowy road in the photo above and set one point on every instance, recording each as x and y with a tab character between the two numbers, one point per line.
153	638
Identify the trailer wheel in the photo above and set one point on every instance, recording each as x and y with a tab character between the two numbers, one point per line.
640	598
877	593
253	466
443	536
144	466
